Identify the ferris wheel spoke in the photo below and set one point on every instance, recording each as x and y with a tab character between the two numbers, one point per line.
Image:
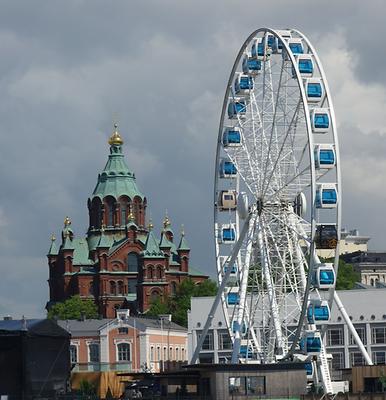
267	183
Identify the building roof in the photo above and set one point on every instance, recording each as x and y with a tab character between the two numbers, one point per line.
196	272
104	241
34	327
152	249
116	179
183	244
81	252
92	327
365	257
53	250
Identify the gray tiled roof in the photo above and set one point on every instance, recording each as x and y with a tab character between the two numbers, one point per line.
91	327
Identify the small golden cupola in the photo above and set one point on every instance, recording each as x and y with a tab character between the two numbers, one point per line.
115	138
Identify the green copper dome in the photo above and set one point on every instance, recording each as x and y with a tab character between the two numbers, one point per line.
116	179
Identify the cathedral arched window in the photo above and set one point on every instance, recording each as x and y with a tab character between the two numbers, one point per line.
110	211
124	207
173	288
136	207
91	288
120	288
155	294
159	272
113	288
150	272
132	262
96	213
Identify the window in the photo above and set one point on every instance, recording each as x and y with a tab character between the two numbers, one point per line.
378	334
132	262
110	212
121	289
361	330
379	357
154	295
173	288
123	214
236	385
356	358
132	285
183	354
337	360
224	340
177	354
255	385
123	352
158	353
334	337
208	341
91	288
170	353
123	331
93	352
113	288
159	272
73	354
150	273
152	353
164	354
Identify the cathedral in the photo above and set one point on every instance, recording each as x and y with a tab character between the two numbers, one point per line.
120	263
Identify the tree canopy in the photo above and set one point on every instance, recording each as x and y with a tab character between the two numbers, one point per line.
346	276
179	304
74	308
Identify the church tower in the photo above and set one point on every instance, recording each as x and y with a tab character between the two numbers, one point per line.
120	263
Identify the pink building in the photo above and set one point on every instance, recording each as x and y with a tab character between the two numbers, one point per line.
126	343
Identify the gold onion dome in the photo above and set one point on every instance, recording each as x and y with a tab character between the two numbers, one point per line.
67	221
130	217
150	226
115	138
167	222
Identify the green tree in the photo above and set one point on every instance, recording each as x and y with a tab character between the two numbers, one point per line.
179	304
74	308
347	277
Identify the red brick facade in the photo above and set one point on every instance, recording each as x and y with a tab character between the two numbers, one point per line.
120	263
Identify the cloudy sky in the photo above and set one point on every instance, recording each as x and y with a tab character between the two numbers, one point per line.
68	67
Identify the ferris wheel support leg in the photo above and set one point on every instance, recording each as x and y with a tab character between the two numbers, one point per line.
352	329
270	288
221	289
243	294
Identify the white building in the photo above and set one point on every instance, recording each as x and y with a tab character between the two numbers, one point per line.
366	308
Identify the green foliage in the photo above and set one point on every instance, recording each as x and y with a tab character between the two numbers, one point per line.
179	304
74	308
87	390
346	276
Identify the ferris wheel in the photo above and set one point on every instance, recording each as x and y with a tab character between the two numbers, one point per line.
277	200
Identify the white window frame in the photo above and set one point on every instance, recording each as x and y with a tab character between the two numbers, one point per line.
352	363
93	342
362	337
76	345
374	351
341	358
341	336
373	335
121	341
